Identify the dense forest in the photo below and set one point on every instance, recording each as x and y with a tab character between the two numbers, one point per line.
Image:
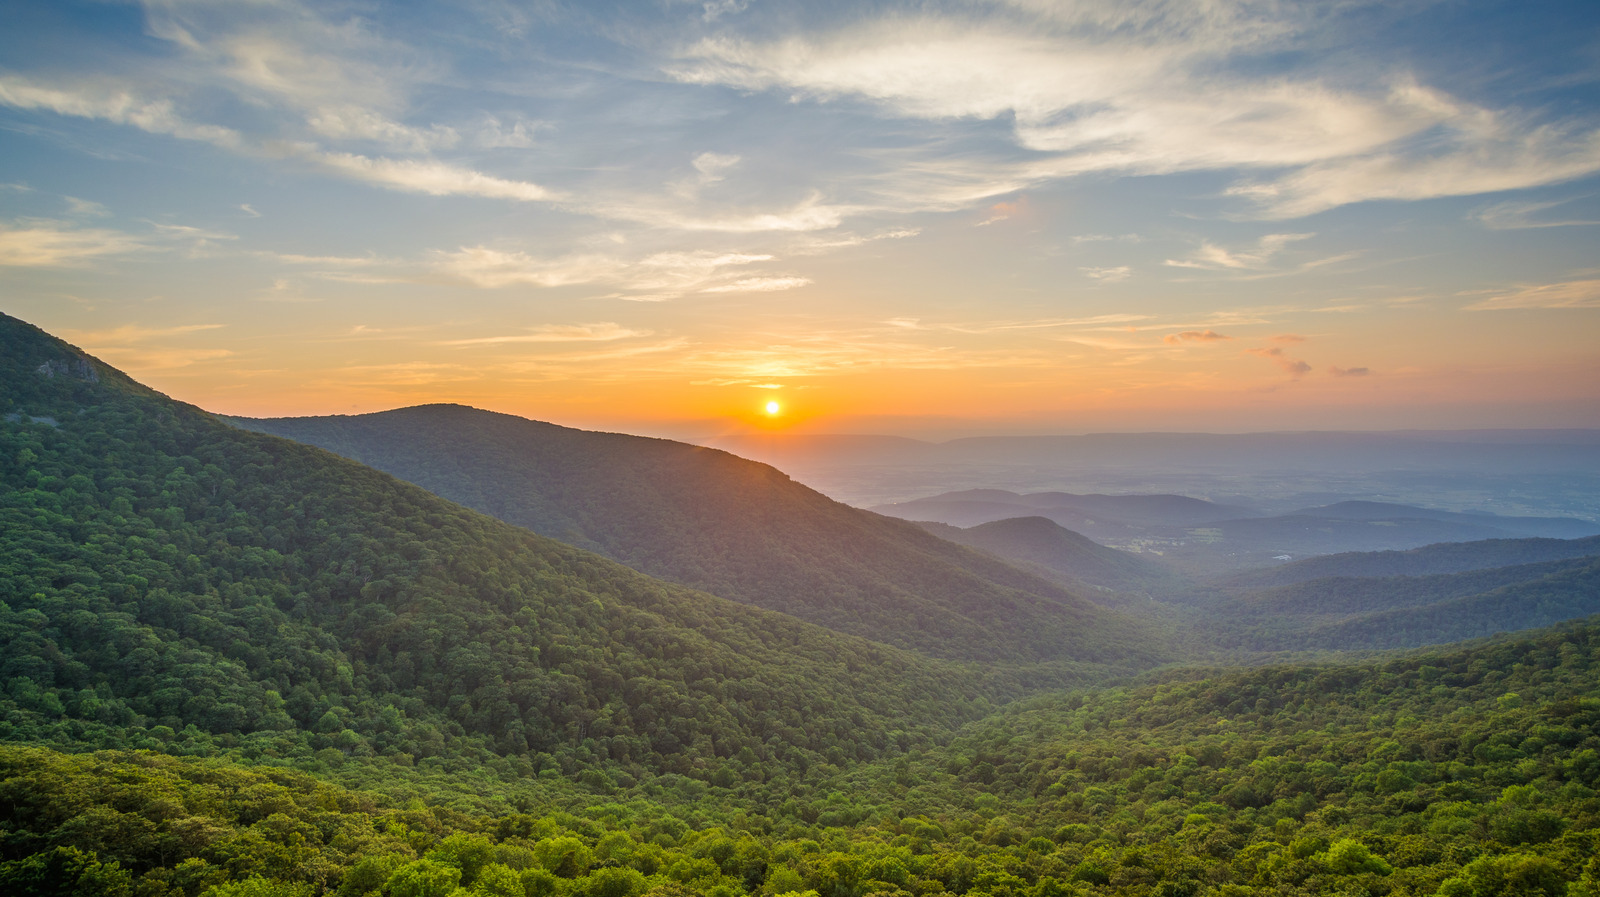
1467	773
232	665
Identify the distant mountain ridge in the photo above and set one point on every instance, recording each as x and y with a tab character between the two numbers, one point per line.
737	528
1428	560
1431	595
1208	538
1548	527
974	506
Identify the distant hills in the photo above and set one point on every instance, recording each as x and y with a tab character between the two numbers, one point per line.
1431	595
1279	471
1428	560
736	528
1207	538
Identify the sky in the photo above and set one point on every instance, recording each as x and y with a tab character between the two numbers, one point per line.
929	219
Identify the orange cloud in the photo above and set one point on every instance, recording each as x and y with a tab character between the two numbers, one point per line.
1204	336
1292	366
1000	211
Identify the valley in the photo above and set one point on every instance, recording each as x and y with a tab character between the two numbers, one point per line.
443	651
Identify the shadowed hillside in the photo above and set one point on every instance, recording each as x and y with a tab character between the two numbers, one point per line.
739	529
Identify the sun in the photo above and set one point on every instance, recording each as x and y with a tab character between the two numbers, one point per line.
773	408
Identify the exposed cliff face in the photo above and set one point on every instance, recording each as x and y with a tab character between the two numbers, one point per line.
74	366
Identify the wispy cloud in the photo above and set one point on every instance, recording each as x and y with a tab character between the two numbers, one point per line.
431	177
1108	275
1211	257
759	285
1521	215
1565	294
83	208
1194	336
813	213
1151	98
1349	372
140	348
484	267
45	244
137	333
1294	367
558	333
112	103
1479	151
655	277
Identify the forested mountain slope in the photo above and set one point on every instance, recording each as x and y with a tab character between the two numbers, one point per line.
739	529
161	570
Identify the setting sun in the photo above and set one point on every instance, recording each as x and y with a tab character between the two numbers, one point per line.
773	407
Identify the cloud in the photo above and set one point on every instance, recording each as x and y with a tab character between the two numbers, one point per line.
1150	92
158	358
431	177
136	333
1292	366
1210	257
249	210
111	103
558	333
656	277
1479	151
1514	215
84	208
1002	211
356	123
712	165
141	348
481	266
736	382
1566	294
285	290
810	245
1288	338
48	244
1108	275
759	285
809	214
494	135
285	54
711	10
1349	372
1202	336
